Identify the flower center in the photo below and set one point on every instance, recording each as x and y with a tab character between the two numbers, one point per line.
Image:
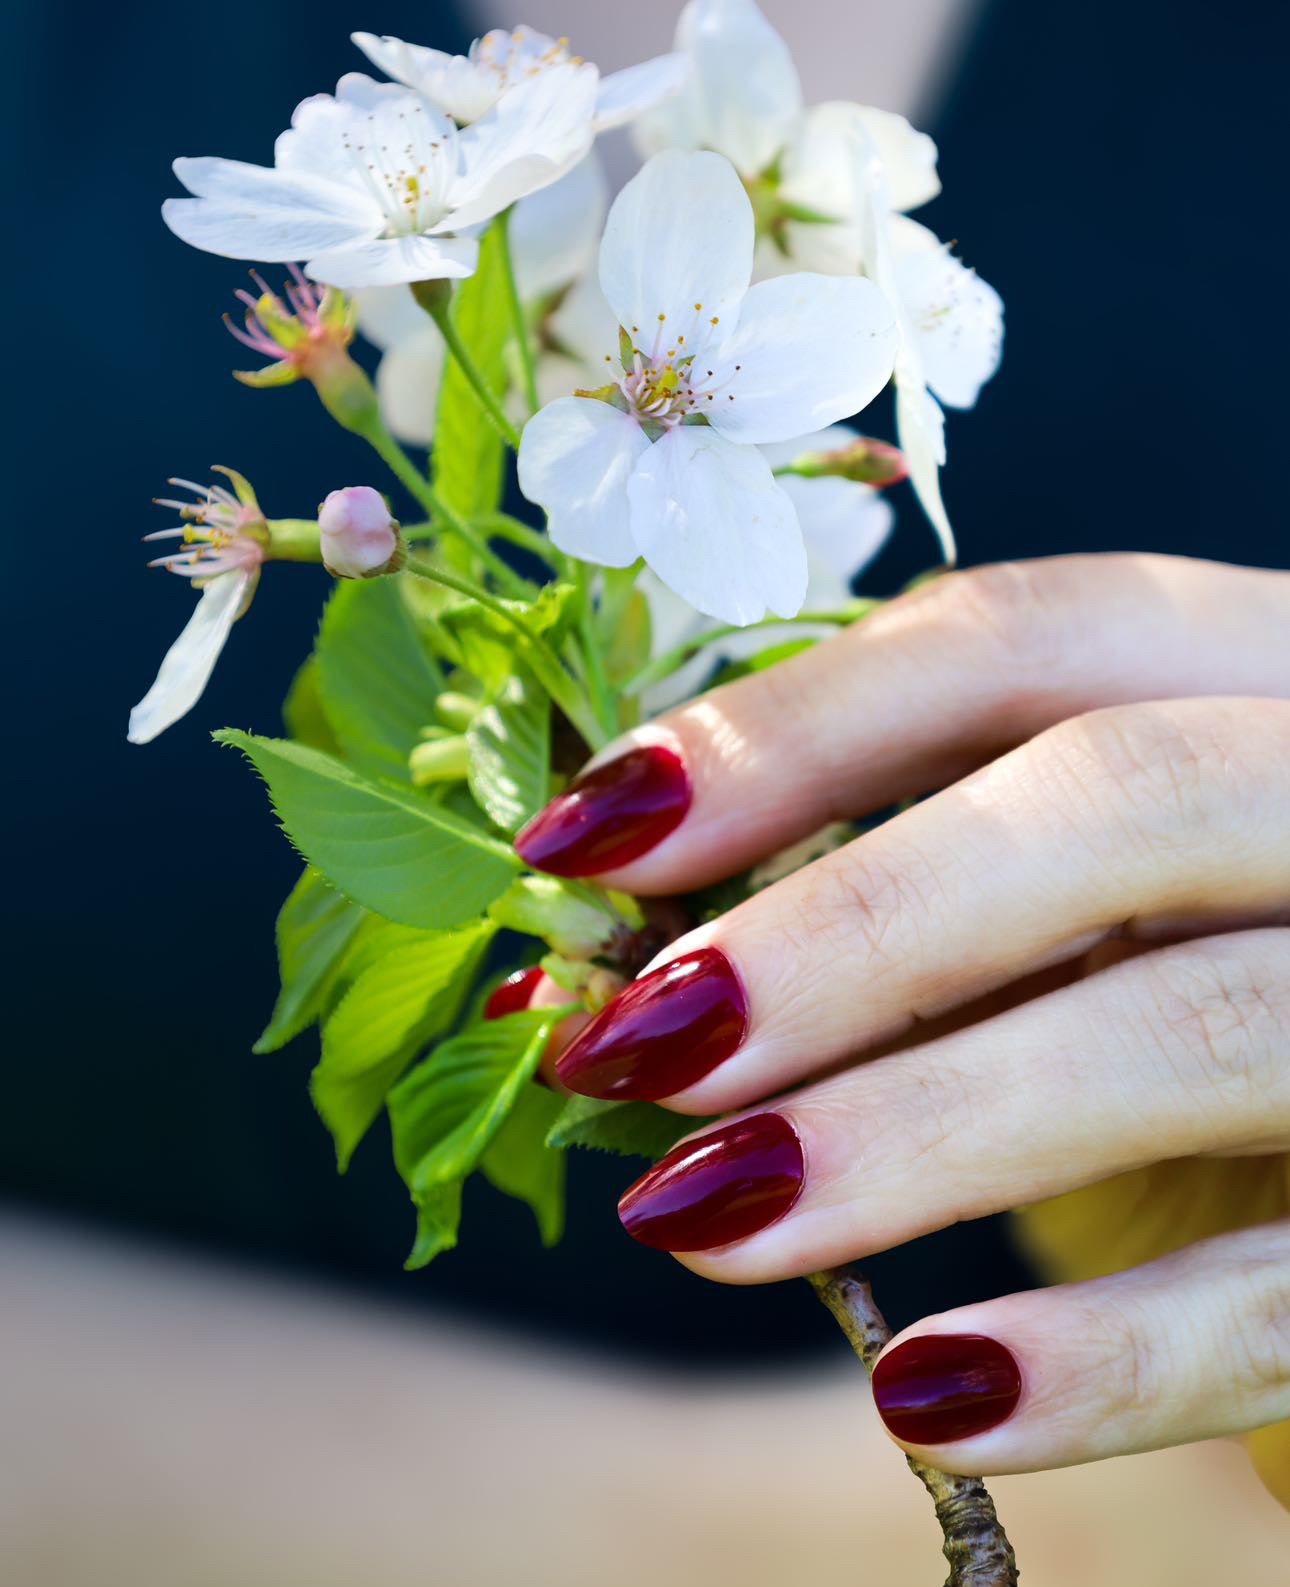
407	175
519	54
669	384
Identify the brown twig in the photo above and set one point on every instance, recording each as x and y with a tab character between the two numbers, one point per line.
976	1545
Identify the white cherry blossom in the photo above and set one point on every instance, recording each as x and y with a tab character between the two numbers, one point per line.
374	186
667	466
467	87
951	330
224	538
554	236
742	98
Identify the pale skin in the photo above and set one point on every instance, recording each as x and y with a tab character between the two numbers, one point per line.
1070	958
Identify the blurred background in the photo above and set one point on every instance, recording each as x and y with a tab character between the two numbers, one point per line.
212	1367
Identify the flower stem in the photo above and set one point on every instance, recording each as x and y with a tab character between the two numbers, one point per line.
448	519
505	527
666	664
435	300
602	699
547	667
976	1545
528	372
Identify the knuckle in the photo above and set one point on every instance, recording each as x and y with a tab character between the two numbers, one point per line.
1011	605
864	906
1153	770
1260	1329
1220	1016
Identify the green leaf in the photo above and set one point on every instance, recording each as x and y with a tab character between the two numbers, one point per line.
378	684
446	1110
316	927
467	456
510	754
488	647
408	995
445	1113
632	1129
302	710
438	1219
519	1163
388	849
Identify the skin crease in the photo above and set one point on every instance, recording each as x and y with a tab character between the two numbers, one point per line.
1071	961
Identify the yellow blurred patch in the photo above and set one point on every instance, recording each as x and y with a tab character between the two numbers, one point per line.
1139	1216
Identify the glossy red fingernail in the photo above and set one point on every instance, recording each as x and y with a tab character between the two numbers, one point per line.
722	1187
610	815
661	1033
515	993
941	1387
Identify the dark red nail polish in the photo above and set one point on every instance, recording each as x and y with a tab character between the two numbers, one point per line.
514	994
610	815
722	1187
661	1033
941	1387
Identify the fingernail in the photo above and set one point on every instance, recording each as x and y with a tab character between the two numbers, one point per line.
610	815
515	993
941	1387
661	1033
722	1187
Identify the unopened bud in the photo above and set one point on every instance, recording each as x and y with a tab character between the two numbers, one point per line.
864	460
359	537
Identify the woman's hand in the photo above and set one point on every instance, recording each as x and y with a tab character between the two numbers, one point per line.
1072	961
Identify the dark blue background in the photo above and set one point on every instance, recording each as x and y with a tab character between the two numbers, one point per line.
1116	169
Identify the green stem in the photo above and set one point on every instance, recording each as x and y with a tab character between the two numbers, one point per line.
670	660
528	372
448	519
547	666
435	301
505	527
602	699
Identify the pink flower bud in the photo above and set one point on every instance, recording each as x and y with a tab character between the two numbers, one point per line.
359	538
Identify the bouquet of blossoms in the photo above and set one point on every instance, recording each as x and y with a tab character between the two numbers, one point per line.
673	375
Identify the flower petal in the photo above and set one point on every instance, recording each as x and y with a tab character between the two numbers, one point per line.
957	317
554	233
534	134
389	261
189	662
677	253
844	526
818	169
810	350
250	212
920	429
389	315
575	459
710	519
627	94
744	94
407	383
585	326
779	454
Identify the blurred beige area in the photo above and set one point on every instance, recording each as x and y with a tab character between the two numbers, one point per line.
896	55
172	1423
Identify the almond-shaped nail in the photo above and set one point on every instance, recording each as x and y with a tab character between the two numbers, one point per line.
722	1187
938	1388
662	1033
609	815
514	994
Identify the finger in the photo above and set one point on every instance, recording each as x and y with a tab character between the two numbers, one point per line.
1189	1347
911	698
1111	824
1178	1052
